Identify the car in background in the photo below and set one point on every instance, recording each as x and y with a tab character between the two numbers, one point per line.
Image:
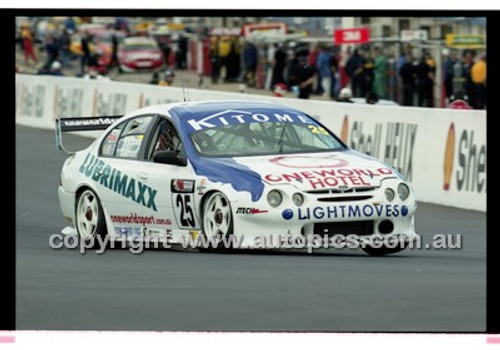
101	43
140	53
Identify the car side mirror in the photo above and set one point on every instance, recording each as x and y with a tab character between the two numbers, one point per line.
169	157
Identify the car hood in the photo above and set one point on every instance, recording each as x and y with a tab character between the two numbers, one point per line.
345	169
320	170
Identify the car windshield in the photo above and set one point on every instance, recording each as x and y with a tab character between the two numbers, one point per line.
253	139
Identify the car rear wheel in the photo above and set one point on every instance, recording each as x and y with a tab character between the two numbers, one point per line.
90	221
217	221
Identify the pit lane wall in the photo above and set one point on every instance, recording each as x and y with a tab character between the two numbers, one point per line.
441	152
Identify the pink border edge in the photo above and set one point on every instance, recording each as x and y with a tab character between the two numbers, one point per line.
7	339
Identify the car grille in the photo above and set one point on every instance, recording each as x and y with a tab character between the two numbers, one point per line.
360	228
338	190
342	195
344	199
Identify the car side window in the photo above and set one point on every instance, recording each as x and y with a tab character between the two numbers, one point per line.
125	140
108	145
165	138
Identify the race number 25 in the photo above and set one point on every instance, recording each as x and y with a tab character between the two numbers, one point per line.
186	214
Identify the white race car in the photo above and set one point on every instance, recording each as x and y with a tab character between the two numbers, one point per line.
246	170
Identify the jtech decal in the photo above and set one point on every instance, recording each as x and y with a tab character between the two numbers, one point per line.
347	211
113	179
243	210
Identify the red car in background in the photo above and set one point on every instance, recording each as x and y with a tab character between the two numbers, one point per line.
140	53
101	43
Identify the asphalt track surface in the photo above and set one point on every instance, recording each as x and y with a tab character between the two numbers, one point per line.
335	290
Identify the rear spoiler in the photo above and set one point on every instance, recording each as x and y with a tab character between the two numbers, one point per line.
82	124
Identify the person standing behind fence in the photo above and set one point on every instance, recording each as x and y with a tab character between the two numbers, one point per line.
380	71
368	74
303	75
279	63
424	83
224	50
324	70
214	59
335	76
51	48
469	86
479	78
312	59
407	73
114	52
85	44
354	69
27	41
449	65
250	61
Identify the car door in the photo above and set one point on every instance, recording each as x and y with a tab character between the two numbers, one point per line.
130	200
175	183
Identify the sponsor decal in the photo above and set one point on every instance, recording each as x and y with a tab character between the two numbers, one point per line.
469	160
194	234
448	157
471	164
182	186
124	231
235	116
393	142
32	100
113	179
331	178
87	123
288	162
348	211
133	218
110	103
243	210
162	233
68	102
345	129
202	186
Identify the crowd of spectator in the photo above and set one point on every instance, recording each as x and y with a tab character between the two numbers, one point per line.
368	71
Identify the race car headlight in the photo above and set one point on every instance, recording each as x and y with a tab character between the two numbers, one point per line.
389	194
403	191
298	199
274	198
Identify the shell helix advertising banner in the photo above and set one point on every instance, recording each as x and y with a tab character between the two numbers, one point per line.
442	152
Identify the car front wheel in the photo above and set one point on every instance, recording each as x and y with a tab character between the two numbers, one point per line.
217	223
